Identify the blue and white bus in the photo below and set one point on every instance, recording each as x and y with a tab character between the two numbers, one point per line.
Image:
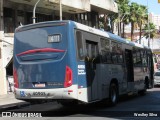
67	61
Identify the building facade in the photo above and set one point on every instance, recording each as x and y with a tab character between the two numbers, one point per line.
14	12
155	19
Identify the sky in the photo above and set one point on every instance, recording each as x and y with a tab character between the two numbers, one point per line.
153	5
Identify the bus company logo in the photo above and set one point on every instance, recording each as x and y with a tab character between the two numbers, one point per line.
6	114
81	70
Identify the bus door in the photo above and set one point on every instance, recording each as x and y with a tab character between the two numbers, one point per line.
129	65
151	70
91	60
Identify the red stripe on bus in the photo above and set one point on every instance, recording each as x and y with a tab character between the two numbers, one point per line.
40	50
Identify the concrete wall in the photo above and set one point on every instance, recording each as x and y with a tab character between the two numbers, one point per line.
107	5
74	5
3	83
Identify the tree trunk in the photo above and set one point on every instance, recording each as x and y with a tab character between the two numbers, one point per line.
123	30
132	29
105	22
119	28
112	26
140	33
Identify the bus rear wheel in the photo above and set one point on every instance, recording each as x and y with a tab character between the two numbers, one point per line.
113	94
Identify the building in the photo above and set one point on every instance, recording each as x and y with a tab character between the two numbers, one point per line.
14	12
155	19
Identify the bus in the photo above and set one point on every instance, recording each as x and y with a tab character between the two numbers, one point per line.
71	63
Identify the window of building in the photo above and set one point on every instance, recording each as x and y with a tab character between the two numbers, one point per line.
82	16
39	17
20	17
9	20
90	19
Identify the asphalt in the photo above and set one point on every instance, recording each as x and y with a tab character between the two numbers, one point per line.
9	102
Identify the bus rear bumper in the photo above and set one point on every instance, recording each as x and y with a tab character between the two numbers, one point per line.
59	93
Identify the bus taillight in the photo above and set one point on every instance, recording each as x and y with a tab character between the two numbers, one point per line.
16	85
68	77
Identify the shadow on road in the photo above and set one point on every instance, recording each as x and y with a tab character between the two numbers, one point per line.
125	109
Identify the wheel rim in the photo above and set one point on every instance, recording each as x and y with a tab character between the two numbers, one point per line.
113	95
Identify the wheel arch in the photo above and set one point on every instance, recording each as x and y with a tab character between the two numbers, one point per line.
113	100
114	80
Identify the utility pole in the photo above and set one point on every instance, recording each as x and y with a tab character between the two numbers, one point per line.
148	26
60	9
34	9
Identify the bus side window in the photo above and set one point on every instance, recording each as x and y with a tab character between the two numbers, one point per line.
134	57
137	57
80	49
119	55
144	58
105	50
114	52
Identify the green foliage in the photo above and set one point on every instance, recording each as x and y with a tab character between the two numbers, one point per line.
150	29
133	13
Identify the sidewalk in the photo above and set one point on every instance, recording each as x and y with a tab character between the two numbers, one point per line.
8	102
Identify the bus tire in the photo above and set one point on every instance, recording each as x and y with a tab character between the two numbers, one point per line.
113	94
146	86
146	83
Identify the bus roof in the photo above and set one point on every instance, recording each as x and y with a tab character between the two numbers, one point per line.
107	34
82	27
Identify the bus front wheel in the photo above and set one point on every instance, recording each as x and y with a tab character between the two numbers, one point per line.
113	94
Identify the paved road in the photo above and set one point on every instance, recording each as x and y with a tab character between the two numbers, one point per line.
146	107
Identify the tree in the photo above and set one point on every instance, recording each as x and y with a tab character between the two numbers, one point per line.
150	32
123	15
133	16
126	17
113	19
104	22
141	19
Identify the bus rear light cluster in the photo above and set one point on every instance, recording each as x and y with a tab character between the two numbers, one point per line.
68	77
15	76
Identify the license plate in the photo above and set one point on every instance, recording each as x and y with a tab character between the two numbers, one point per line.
39	94
40	85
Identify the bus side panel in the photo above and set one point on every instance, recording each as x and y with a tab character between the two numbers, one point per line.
107	73
71	60
82	82
139	78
